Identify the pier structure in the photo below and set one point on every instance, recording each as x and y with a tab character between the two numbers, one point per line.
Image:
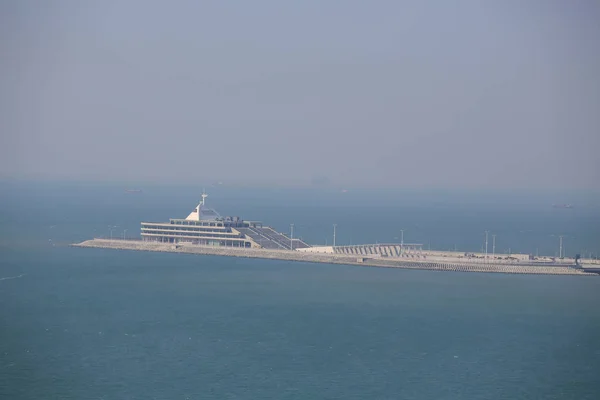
205	231
305	255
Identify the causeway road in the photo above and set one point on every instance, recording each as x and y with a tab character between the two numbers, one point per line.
290	255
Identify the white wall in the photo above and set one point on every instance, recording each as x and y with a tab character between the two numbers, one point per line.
317	249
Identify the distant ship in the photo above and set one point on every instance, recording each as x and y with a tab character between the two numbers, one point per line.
562	206
133	191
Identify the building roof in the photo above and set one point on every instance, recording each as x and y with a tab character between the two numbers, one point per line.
203	213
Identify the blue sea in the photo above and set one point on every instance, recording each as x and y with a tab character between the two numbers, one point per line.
103	324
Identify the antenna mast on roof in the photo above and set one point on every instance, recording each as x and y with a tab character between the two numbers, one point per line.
204	196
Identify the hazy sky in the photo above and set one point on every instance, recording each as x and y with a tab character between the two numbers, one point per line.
395	93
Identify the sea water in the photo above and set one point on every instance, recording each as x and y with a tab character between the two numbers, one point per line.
81	323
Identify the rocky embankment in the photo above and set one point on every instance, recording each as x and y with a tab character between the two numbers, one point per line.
330	258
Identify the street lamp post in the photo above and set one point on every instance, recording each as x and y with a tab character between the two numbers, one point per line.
560	247
401	241
111	228
334	226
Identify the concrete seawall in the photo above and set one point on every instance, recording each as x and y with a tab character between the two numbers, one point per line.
330	258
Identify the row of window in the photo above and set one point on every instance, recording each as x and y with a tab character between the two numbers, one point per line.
199	234
178	228
195	223
218	243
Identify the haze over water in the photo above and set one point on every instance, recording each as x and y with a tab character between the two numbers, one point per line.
466	94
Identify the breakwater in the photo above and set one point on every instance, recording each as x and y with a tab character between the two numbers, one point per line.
332	258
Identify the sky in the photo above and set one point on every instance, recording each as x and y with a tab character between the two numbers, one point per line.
432	94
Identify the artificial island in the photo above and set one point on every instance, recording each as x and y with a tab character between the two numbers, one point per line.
205	231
